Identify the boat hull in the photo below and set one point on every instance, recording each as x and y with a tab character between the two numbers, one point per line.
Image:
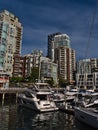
34	105
87	117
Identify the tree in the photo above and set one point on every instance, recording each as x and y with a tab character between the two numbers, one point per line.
63	82
17	79
50	81
34	74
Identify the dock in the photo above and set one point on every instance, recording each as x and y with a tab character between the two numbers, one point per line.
10	94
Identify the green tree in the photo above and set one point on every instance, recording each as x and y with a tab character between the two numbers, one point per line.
51	81
63	82
17	79
34	74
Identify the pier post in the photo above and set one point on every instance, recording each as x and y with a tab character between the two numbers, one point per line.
16	97
3	97
65	99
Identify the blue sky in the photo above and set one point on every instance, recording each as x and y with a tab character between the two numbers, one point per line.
40	18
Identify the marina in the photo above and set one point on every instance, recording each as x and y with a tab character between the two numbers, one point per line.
69	110
53	88
88	113
26	119
11	94
39	101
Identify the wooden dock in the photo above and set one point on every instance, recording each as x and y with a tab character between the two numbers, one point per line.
12	90
10	94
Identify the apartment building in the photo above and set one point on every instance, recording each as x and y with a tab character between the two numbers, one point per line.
19	66
87	73
10	39
65	57
4	79
48	70
57	40
50	44
32	60
61	53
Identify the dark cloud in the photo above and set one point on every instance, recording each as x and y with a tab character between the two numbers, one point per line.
42	17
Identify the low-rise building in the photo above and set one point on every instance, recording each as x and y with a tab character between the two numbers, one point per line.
4	79
87	73
18	66
48	70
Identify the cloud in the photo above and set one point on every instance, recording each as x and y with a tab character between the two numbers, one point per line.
75	23
43	17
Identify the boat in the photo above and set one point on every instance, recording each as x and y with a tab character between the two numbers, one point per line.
41	86
71	93
57	97
39	101
88	114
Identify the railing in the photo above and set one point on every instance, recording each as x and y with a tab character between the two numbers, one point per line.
12	90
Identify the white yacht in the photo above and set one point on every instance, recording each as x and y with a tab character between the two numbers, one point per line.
57	97
89	113
38	101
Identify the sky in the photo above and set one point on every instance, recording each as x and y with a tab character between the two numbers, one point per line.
39	18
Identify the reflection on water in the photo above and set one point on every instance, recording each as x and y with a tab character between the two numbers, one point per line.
8	117
13	118
45	121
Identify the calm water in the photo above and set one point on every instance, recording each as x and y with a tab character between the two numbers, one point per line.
15	118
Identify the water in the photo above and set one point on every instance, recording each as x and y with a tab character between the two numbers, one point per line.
15	118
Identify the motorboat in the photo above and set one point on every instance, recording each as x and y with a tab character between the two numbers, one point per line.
71	93
39	101
57	97
41	86
88	116
88	113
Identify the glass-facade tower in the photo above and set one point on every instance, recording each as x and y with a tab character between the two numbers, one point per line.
10	39
57	40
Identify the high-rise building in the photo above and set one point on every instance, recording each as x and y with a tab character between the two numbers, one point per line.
10	39
50	43
60	52
65	57
57	40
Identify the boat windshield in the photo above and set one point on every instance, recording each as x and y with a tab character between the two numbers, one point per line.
28	94
42	97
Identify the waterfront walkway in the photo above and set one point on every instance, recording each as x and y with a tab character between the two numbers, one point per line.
10	93
12	90
19	89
